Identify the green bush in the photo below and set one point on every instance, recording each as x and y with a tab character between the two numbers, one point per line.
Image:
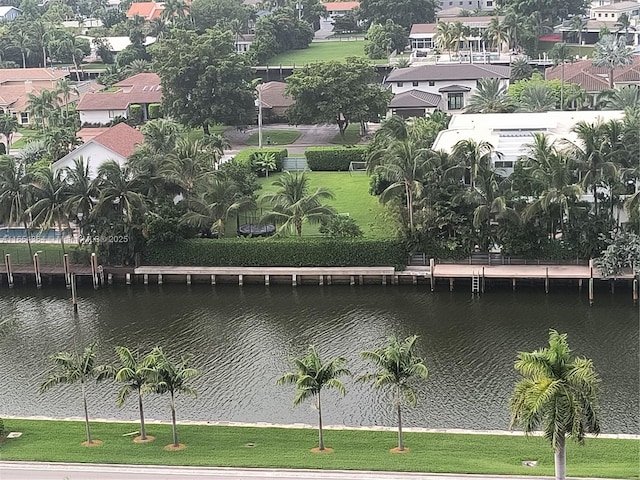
333	158
3	432
154	111
247	157
3	149
273	252
135	114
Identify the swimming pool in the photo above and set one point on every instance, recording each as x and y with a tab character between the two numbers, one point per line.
17	233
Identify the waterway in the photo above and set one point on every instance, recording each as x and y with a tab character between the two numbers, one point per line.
241	338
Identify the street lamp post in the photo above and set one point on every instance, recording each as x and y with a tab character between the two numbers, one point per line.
259	105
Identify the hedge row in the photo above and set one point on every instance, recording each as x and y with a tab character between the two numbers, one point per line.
333	158
247	156
274	252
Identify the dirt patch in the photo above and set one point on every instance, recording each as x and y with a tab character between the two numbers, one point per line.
150	438
173	448
94	443
395	450
326	450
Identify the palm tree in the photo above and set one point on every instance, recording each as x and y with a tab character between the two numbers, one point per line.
624	25
174	9
397	368
497	34
51	193
521	69
311	375
616	99
490	97
172	378
22	41
558	393
8	126
611	53
537	97
73	368
579	25
137	66
403	164
41	106
15	195
82	191
444	36
560	54
472	155
65	88
186	167
119	190
161	135
210	208
292	204
138	376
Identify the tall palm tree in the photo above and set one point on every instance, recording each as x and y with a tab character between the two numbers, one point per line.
611	53
137	66
497	33
186	167
8	126
292	204
579	25
557	392
624	25
161	135
537	97
472	155
15	195
138	376
560	54
172	378
42	105
65	89
403	164
210	208
22	41
397	368
490	97
174	9
618	98
311	375
51	193
70	368
120	190
444	36
82	190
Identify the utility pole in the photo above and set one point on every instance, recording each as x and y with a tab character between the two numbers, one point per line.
259	102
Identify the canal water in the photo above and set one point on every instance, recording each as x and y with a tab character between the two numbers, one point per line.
240	339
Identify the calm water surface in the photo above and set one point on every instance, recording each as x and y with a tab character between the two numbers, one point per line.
240	338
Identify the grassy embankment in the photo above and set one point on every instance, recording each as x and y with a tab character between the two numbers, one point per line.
352	196
60	441
323	52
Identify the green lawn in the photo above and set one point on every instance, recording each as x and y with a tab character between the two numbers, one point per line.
351	135
60	441
49	253
198	133
351	196
28	134
274	137
322	52
579	50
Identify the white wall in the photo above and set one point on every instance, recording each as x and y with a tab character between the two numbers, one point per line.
93	154
102	117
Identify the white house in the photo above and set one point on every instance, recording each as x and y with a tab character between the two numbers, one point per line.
9	13
117	143
420	90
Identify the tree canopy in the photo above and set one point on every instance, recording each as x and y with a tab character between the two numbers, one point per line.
402	12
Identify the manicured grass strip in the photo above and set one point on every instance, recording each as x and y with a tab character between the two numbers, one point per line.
351	196
28	135
198	134
274	137
59	441
351	135
49	253
323	52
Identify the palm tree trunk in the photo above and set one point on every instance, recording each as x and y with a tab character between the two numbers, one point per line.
61	237
173	422
26	231
560	459
86	414
24	60
400	439
407	190
595	199
320	435
611	78
143	433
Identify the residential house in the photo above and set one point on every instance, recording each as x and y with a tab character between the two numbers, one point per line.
9	13
102	107
147	10
595	79
244	41
117	143
17	83
604	16
274	101
423	89
475	5
338	9
117	44
422	37
509	133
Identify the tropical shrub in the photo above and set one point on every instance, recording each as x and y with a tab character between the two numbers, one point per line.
154	111
248	157
333	158
135	114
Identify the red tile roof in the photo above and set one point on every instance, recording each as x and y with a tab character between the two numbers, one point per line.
140	88
22	74
104	101
86	134
595	79
143	9
121	139
340	6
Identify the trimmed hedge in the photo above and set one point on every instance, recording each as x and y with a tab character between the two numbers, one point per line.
135	113
277	252
332	159
247	156
154	111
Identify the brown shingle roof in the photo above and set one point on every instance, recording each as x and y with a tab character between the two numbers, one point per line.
140	88
595	79
104	101
340	6
121	139
415	99
448	72
272	95
418	28
16	98
22	74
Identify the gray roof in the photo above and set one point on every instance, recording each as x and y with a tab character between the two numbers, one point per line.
448	72
415	99
454	88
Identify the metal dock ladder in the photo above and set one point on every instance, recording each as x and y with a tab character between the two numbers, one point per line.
475	282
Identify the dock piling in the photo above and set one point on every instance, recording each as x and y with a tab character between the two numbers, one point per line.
36	267
635	291
128	278
513	284
352	281
74	293
294	280
110	278
160	279
432	267
188	279
213	279
146	279
94	270
546	280
67	274
384	280
451	284
7	264
266	280
240	280
320	280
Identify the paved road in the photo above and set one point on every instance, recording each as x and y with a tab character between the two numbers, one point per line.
74	471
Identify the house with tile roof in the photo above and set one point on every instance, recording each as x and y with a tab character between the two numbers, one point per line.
423	89
116	143
596	79
147	10
17	83
422	36
274	101
337	9
102	107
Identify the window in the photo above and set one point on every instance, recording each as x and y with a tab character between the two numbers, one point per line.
399	84
456	101
432	83
24	118
489	3
415	84
606	14
503	164
112	114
